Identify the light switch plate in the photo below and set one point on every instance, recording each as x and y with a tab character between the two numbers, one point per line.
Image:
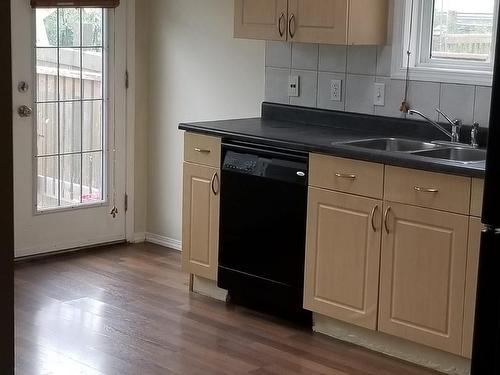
293	85
379	94
336	90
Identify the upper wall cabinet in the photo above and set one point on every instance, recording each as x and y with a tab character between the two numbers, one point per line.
361	22
261	19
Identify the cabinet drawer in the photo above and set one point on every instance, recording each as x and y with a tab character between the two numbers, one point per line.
476	201
202	149
345	175
427	189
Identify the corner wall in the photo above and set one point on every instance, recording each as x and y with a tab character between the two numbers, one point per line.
197	71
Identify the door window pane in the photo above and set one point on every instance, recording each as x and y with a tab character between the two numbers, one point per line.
46	27
92	177
92	73
92	27
69	27
70	74
92	125
463	30
71	174
47	129
70	125
46	74
47	182
70	107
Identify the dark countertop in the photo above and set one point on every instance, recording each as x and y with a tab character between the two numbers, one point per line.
306	134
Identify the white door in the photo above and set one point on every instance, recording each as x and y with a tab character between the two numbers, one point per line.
69	153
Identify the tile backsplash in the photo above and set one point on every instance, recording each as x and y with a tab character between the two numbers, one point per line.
359	68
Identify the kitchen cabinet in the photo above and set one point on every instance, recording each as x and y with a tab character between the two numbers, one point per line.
474	245
342	256
200	224
362	22
261	19
200	206
422	275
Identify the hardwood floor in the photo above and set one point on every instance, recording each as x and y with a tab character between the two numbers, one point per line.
127	310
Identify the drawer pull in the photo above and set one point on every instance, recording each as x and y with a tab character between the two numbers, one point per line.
426	190
375	209
344	175
202	150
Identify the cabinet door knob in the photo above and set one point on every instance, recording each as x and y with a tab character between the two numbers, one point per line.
386	218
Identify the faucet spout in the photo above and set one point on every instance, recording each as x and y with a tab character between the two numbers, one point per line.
433	123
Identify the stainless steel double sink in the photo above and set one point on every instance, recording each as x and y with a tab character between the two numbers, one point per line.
437	150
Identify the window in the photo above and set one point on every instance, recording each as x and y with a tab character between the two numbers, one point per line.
70	107
449	40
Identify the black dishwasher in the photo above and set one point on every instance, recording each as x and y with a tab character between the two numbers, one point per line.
262	228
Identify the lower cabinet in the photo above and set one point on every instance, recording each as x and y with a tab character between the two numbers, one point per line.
475	228
200	222
422	276
342	256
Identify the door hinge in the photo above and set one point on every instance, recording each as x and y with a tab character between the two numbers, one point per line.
127	80
126	202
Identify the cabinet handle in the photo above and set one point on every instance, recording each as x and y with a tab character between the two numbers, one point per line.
344	175
386	217
375	209
426	190
290	29
212	183
280	23
202	150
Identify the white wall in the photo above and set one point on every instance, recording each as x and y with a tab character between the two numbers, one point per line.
197	71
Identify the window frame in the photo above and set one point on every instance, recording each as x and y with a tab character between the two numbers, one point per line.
108	45
422	66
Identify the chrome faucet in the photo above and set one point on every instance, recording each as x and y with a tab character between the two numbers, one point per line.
456	125
474	134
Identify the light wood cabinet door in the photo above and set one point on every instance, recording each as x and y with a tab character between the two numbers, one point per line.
342	256
200	221
261	19
475	228
367	22
318	21
422	276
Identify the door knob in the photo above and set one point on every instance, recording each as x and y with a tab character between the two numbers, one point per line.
24	111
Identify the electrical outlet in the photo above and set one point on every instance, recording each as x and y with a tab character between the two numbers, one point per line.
293	86
336	90
379	94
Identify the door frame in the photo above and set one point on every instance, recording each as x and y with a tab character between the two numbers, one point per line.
124	102
130	120
7	193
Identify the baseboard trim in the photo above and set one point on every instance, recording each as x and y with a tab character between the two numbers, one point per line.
157	239
22	254
392	346
139	237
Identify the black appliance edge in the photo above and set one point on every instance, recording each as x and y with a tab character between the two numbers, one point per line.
486	349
